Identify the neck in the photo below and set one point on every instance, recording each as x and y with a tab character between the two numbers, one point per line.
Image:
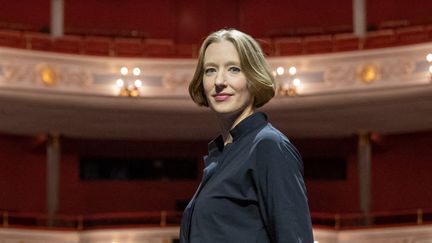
229	121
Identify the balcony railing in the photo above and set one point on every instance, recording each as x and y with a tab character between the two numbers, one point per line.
172	218
376	219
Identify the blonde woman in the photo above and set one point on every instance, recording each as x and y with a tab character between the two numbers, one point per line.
252	188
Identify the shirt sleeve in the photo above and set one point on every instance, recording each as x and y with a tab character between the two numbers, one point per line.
281	191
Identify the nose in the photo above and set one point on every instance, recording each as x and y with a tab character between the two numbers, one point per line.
220	79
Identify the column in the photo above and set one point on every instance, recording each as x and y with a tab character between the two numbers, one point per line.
53	171
364	167
57	18
359	18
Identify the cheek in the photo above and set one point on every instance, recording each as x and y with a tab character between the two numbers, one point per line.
244	88
207	86
241	85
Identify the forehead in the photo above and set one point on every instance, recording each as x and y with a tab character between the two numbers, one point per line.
223	51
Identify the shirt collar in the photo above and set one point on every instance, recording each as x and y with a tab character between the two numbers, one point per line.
245	126
216	145
248	124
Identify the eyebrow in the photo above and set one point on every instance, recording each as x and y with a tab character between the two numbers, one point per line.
229	63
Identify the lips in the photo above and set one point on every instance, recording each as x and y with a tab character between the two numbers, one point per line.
222	96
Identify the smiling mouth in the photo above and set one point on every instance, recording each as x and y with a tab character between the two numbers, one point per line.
221	97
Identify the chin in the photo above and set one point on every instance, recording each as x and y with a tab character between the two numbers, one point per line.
226	110
223	111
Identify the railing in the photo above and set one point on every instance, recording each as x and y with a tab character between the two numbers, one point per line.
376	219
171	218
81	222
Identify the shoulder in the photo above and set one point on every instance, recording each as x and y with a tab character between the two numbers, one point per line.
270	136
272	146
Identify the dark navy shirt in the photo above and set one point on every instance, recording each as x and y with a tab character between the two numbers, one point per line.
252	190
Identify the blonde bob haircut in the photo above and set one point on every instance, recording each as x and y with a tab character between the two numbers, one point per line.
261	83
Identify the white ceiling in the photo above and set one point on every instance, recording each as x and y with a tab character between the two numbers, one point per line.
399	110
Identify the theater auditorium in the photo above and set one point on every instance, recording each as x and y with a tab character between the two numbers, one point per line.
100	141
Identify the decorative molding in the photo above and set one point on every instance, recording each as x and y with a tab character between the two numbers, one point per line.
331	99
407	234
323	73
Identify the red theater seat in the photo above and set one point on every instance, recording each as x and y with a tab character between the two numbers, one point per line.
99	46
128	47
159	48
393	24
345	42
286	46
305	31
68	44
411	35
318	44
186	50
38	41
338	29
428	30
12	38
380	39
266	46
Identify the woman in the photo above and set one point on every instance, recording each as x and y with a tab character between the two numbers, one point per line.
252	188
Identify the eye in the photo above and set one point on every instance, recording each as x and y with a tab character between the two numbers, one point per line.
234	69
209	71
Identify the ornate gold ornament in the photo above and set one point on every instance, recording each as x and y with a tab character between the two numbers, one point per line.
369	73
48	75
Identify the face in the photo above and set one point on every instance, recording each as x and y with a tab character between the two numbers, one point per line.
225	84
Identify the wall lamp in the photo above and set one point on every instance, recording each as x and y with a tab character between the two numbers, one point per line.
130	83
289	84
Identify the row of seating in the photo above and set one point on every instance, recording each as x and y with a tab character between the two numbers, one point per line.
96	45
277	46
94	31
286	46
292	31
